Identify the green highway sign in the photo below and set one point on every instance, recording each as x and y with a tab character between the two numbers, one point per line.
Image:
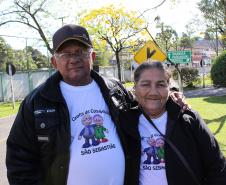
179	57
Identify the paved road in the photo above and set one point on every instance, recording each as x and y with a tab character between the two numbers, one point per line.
5	125
209	91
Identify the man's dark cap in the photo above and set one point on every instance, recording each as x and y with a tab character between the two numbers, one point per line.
71	32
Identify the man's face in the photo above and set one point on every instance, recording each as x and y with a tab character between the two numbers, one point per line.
152	91
74	61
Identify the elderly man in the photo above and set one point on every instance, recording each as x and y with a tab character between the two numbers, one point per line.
44	146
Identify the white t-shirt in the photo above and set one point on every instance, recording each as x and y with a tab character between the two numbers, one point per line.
152	166
96	155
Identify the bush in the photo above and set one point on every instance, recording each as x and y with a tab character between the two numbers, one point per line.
218	70
190	76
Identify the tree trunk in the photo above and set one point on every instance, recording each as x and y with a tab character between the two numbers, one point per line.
118	65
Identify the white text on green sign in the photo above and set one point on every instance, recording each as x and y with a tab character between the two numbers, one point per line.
179	57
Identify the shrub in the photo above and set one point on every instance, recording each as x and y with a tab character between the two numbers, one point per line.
190	76
218	70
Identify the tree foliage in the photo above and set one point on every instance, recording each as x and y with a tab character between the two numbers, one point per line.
214	13
6	53
218	70
38	58
28	58
30	13
167	38
189	76
115	26
186	42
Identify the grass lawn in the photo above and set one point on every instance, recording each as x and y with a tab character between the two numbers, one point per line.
213	111
6	109
129	84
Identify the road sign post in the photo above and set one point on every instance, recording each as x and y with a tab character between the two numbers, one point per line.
11	70
180	81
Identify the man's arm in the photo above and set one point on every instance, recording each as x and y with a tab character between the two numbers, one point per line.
179	99
22	156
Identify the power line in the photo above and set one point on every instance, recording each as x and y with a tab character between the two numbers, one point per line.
13	36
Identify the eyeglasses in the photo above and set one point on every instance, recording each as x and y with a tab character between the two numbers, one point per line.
79	55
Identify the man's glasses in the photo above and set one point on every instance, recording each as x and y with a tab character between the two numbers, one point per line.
79	55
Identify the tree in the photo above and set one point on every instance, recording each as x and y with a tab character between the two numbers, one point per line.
167	38
39	59
29	13
6	53
214	13
218	70
116	26
21	62
186	42
189	76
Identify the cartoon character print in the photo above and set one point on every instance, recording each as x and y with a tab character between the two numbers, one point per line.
99	128
160	149
151	152
88	132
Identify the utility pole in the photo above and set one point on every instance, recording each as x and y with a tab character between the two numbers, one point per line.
26	54
62	19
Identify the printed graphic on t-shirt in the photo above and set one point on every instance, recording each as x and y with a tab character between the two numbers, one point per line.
93	132
153	157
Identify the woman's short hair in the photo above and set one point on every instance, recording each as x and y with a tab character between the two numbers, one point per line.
150	65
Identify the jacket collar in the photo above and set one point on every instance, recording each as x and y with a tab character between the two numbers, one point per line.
129	122
134	113
51	88
173	109
174	112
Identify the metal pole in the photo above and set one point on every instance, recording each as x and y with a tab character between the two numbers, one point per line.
26	55
11	85
203	74
180	79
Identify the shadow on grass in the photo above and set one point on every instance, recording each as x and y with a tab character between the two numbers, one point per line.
221	120
216	99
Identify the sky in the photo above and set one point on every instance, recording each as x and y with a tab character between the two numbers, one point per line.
175	13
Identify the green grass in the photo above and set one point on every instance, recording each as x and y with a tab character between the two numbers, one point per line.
213	111
129	84
6	109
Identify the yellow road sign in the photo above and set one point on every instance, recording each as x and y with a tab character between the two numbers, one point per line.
149	51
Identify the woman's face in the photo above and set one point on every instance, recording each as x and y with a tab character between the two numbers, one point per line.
152	91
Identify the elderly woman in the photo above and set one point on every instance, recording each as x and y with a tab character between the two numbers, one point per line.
168	146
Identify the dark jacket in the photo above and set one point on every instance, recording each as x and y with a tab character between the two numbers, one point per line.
39	141
189	133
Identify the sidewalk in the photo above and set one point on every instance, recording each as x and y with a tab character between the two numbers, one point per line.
202	92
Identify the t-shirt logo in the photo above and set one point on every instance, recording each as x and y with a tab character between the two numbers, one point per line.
155	151
93	134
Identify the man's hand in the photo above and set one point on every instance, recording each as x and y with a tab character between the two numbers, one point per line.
179	98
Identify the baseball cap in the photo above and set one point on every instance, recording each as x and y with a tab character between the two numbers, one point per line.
71	32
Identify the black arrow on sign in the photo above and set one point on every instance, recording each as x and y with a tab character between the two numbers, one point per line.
150	53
